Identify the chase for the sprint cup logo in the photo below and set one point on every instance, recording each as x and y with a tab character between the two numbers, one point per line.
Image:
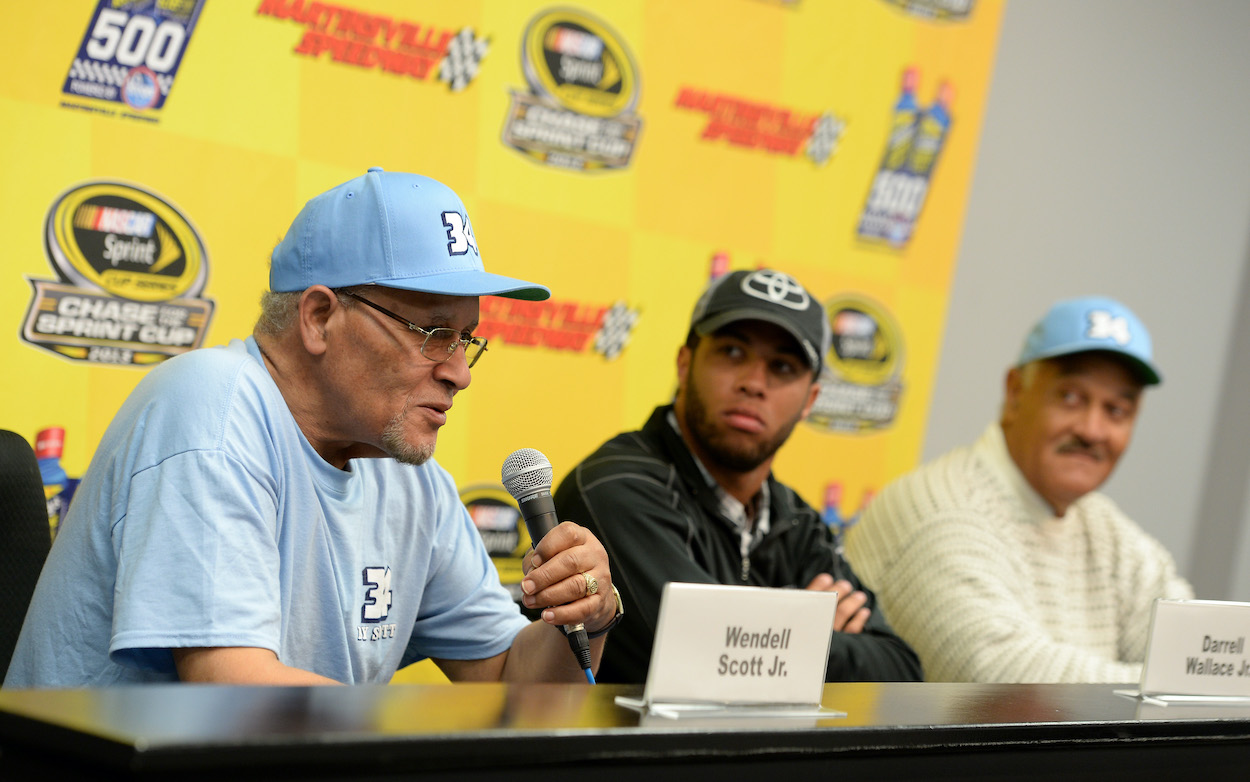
580	111
861	384
131	273
131	51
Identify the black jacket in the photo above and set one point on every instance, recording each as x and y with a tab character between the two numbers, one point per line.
645	498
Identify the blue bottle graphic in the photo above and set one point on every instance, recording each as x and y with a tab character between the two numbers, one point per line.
832	514
903	126
886	212
931	134
49	445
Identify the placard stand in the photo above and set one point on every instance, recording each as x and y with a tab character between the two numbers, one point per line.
1181	700
675	711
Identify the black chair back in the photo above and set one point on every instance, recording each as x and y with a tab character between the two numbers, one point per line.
24	536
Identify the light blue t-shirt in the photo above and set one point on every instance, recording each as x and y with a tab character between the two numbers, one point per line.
206	519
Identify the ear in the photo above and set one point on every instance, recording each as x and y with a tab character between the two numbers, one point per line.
1013	385
812	394
684	356
316	305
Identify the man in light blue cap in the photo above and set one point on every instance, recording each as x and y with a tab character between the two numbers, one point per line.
1001	562
268	511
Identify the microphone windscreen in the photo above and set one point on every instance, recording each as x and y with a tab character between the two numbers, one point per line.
526	472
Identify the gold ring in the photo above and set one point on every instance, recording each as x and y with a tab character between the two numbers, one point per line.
592	584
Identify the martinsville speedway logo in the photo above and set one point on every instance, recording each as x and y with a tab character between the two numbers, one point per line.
377	41
755	125
571	326
132	270
580	111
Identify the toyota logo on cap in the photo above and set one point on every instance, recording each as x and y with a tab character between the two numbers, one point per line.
777	288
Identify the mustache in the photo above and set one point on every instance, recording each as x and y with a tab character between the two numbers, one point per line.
1077	445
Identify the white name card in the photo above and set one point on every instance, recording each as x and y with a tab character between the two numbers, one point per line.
1198	648
733	645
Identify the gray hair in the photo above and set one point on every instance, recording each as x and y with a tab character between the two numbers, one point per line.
278	310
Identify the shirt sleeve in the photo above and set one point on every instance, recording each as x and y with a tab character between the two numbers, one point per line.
197	561
465	613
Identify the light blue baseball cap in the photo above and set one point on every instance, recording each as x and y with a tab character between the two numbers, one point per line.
393	229
1092	323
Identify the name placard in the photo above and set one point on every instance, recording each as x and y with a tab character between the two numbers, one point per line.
1198	648
733	645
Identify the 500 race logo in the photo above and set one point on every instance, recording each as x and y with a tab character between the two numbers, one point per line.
130	54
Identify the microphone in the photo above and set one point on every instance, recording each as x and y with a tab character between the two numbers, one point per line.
526	475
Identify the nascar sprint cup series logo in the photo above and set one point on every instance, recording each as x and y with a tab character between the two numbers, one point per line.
131	52
860	386
579	113
498	521
131	273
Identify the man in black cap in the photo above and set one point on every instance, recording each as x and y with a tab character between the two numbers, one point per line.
691	496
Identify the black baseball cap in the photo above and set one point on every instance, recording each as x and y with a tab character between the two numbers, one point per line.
771	296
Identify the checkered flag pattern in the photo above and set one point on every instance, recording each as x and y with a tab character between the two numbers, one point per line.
824	139
613	335
464	53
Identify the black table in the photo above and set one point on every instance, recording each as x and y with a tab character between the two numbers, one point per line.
891	731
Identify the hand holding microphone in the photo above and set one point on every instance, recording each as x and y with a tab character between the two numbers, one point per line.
526	475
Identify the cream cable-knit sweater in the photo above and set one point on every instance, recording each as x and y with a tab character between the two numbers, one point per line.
972	569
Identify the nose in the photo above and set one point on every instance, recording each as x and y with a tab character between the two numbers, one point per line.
1092	424
455	370
753	377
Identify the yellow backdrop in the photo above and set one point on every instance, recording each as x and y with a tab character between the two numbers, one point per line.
620	152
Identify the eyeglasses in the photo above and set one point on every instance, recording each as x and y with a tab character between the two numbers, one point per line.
439	344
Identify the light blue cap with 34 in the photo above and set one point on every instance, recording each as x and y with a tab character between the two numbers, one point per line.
393	229
1092	323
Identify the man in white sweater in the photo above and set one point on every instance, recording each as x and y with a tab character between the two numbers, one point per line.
1000	562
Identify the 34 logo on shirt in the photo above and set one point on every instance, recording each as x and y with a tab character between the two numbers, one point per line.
376	606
